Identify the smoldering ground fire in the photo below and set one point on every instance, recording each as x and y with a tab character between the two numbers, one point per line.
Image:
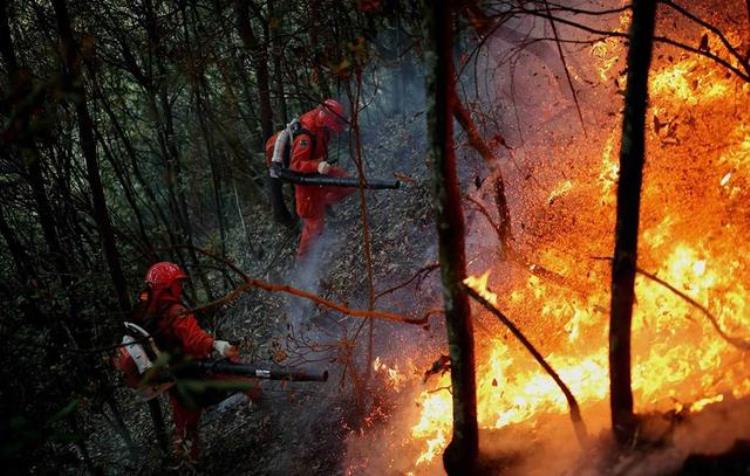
691	318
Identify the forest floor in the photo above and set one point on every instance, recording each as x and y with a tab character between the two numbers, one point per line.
300	428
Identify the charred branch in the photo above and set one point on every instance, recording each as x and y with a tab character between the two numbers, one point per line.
463	117
575	411
738	342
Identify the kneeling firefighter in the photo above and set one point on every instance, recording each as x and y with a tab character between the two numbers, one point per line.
167	327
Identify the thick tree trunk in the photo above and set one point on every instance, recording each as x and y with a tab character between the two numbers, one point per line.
628	211
73	80
461	454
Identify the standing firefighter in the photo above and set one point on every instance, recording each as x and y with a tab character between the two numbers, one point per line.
309	155
175	331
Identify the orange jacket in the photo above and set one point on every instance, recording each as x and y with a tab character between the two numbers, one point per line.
178	332
306	155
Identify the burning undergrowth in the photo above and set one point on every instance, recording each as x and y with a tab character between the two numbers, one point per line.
561	183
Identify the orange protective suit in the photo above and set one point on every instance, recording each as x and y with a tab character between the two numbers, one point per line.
307	154
179	334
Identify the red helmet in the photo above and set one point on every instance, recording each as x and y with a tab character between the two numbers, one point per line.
331	115
165	275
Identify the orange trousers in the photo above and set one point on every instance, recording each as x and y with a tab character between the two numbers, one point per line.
314	224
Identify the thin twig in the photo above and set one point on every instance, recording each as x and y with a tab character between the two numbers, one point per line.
419	274
483	210
713	29
565	67
738	342
660	39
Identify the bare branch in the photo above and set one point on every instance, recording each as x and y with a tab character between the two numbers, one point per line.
251	283
421	274
660	39
565	67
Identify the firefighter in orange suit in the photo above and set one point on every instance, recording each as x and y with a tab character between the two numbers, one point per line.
309	154
178	333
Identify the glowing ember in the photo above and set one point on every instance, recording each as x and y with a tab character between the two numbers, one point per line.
725	179
394	377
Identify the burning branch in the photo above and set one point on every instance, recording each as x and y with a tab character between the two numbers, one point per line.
738	342
575	411
440	366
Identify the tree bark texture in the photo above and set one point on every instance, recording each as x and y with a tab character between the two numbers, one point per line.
632	153
461	454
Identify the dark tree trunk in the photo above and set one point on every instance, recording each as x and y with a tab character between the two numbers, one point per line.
73	81
319	78
21	259
32	157
167	136
461	454
130	194
628	211
6	43
157	417
259	54
278	71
